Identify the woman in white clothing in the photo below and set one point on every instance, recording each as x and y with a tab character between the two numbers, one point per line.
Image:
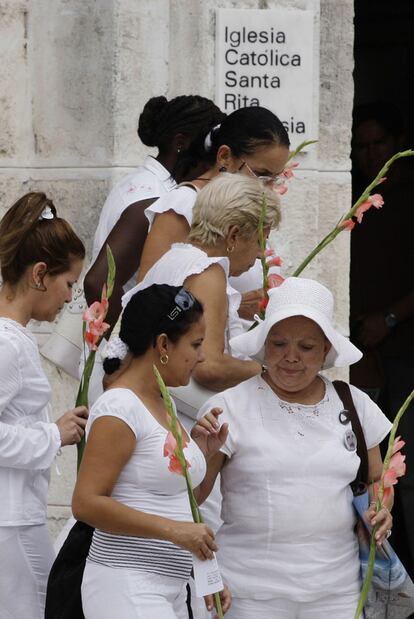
170	126
41	258
251	141
287	544
140	557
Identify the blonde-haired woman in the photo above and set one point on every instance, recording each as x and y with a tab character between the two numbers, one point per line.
223	241
41	258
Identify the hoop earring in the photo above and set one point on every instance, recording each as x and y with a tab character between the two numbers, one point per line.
230	249
222	168
164	359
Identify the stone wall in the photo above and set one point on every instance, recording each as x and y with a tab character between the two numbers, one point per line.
76	73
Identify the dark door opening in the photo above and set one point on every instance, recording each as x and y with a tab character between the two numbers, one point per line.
382	245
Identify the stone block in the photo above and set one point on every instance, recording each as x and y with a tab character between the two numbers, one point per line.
15	121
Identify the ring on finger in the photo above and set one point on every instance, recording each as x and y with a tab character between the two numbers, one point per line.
388	533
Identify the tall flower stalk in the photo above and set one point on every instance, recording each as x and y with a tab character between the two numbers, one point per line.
299	148
364	202
178	453
393	444
268	257
94	327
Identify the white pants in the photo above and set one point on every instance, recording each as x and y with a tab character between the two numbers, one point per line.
130	594
329	607
26	556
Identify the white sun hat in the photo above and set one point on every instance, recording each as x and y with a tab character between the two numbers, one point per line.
298	296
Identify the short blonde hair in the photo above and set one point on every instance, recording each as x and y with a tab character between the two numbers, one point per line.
232	200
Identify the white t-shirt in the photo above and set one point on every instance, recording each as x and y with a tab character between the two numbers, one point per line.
173	268
182	200
150	180
28	441
146	484
287	508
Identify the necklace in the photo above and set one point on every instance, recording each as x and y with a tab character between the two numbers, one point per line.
202	178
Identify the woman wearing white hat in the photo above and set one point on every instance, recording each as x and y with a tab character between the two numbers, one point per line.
287	544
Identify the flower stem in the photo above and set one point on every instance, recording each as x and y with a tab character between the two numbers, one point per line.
176	432
82	399
368	577
301	146
371	558
364	196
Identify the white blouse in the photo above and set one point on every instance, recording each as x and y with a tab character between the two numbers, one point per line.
28	441
150	180
182	201
288	520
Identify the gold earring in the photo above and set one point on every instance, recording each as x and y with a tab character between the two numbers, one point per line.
230	249
164	359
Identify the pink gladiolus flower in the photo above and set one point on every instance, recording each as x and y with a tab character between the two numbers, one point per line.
288	171
94	317
174	465
347	224
269	252
396	469
398	444
170	447
276	261
263	304
280	189
386	497
274	280
375	200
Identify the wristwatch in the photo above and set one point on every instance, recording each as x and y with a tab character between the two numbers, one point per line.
391	320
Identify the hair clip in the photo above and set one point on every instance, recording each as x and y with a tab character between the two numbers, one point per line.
184	301
47	213
208	138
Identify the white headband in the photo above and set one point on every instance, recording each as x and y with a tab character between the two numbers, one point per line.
207	141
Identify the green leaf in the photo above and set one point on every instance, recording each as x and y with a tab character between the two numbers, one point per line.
111	271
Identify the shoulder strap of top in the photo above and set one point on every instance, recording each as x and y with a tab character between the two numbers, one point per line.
188	184
344	393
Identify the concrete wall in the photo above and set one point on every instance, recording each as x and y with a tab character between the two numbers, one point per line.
75	74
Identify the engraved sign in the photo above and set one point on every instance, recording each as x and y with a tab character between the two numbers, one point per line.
265	57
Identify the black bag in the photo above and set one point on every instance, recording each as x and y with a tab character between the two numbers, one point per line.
63	596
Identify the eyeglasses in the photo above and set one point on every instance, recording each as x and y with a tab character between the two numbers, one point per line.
183	301
266	180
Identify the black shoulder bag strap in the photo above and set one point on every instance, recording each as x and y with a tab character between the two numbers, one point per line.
360	483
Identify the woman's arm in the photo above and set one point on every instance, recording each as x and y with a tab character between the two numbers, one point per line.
220	370
167	228
126	241
214	466
110	445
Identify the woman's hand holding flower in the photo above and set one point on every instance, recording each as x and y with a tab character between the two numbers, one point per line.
208	434
198	538
225	597
382	519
